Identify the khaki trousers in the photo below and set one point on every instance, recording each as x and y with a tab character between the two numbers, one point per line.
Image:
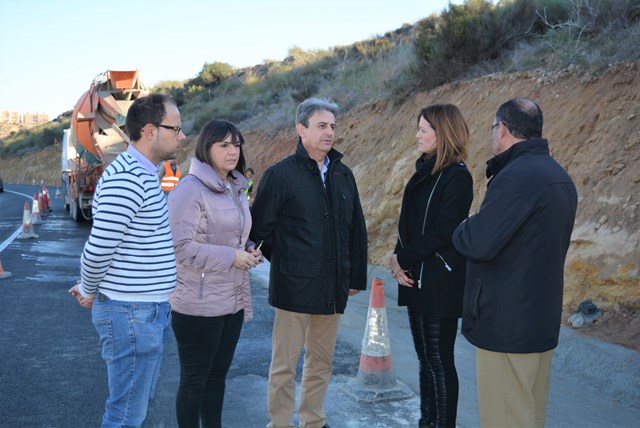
292	331
512	388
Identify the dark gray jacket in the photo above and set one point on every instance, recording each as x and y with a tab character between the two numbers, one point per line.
516	247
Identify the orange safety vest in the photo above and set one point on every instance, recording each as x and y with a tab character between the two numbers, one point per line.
169	180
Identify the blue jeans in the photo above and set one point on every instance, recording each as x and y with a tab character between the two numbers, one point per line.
132	335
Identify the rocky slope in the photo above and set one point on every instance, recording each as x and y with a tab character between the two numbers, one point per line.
592	122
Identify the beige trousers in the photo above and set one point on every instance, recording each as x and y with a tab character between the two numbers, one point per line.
292	331
512	388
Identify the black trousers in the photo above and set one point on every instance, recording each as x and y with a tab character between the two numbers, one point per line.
205	346
434	339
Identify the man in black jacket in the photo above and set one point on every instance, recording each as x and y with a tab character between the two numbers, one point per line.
307	211
516	247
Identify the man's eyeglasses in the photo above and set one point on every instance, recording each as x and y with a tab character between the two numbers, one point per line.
494	125
176	129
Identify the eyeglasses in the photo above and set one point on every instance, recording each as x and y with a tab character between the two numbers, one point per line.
176	129
494	125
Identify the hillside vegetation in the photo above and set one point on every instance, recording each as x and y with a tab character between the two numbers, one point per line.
580	59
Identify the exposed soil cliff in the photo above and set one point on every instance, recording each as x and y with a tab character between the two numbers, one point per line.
593	126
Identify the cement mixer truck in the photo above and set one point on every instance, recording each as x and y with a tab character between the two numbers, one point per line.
96	136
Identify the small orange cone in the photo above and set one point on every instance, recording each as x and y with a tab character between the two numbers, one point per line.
4	273
35	211
27	225
376	380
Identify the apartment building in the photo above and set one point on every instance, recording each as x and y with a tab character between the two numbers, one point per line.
8	116
34	119
27	120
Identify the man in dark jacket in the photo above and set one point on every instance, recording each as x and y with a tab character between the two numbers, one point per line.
516	247
307	211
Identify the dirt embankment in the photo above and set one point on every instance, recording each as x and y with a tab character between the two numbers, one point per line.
593	126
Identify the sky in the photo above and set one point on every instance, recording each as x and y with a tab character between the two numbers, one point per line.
50	51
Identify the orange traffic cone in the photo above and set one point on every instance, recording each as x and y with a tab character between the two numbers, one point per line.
35	211
27	225
45	199
4	273
376	380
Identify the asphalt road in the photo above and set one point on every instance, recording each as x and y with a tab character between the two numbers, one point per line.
51	373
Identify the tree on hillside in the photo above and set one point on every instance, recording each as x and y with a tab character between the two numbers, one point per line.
212	74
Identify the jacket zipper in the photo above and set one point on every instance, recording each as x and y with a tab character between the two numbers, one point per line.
201	285
240	212
424	224
446	265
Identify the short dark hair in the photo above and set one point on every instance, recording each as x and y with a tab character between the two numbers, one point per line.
522	117
215	131
308	107
149	109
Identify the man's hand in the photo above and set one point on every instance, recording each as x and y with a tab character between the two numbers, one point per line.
353	291
85	302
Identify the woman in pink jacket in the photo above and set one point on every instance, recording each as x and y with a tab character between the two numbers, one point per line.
210	223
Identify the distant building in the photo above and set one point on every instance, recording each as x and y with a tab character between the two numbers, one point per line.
34	119
27	120
7	116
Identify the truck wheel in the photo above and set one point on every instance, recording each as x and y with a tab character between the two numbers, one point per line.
75	211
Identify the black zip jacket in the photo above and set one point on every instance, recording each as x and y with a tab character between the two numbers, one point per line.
314	236
432	207
516	246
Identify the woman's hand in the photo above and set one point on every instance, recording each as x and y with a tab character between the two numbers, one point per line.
402	276
256	252
245	260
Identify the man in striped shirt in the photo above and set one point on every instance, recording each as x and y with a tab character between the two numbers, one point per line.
128	267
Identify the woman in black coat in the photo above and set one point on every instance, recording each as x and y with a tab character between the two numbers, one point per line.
429	270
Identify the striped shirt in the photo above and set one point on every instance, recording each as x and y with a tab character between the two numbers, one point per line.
129	254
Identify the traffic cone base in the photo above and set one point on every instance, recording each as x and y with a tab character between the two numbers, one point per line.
4	273
376	380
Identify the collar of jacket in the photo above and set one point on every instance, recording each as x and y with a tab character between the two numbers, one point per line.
333	154
424	164
535	146
210	178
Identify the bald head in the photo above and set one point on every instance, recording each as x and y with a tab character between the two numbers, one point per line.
522	117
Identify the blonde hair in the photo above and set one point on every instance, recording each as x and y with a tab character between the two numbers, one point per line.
452	134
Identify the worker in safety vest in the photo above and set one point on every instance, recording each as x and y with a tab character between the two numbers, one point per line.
249	176
170	173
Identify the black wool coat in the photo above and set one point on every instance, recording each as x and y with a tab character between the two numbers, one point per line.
432	207
516	246
314	236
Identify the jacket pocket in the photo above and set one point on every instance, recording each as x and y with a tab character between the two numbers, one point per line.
306	269
201	291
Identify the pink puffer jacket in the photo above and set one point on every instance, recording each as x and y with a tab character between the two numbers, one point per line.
209	222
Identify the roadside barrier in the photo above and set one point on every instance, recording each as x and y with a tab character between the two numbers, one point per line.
35	211
27	224
4	273
376	380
